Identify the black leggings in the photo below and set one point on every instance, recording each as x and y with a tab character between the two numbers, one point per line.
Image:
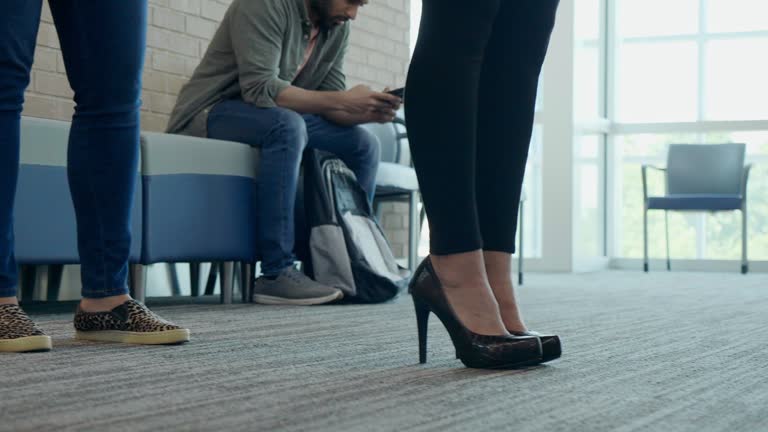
469	107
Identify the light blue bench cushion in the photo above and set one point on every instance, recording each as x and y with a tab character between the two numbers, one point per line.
199	199
394	178
44	218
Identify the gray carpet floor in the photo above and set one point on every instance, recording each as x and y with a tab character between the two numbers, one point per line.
658	352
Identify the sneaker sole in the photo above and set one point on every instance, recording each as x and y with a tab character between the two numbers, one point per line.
166	337
26	344
272	300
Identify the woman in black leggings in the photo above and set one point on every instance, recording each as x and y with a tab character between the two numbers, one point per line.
469	106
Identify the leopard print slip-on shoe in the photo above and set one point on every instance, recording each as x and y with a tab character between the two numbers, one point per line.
131	323
18	333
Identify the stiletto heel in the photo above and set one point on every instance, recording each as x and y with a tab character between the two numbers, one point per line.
474	350
422	319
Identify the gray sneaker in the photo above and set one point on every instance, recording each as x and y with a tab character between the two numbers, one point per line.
292	287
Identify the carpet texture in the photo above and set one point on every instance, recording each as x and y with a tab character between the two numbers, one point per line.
658	352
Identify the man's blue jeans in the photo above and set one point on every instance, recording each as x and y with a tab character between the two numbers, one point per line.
103	47
282	135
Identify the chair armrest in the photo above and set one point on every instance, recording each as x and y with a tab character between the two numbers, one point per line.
400	121
400	136
644	169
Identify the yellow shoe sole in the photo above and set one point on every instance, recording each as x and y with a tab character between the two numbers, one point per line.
26	344
166	337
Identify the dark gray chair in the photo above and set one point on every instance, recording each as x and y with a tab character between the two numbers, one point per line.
396	179
700	177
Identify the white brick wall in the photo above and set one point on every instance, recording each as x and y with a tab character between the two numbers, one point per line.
177	37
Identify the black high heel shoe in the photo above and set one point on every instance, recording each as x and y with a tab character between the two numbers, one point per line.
474	350
551	349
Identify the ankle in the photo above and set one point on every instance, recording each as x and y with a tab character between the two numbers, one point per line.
510	314
9	300
498	265
515	327
103	304
463	269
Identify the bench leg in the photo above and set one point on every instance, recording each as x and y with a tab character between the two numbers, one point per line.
138	282
246	280
227	282
194	279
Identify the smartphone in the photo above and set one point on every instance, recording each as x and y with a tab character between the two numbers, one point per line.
398	92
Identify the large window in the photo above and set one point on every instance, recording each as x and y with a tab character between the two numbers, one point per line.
691	60
693	235
589	48
688	71
589	196
592	128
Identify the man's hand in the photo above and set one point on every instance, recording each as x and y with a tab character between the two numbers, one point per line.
347	119
380	116
356	106
362	100
397	105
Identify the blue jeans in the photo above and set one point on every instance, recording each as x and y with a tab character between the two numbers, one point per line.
102	43
282	135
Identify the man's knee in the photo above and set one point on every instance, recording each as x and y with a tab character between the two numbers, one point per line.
291	124
287	139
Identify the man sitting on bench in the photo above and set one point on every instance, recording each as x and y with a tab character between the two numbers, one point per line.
273	78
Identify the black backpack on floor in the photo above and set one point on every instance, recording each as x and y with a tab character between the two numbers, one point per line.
338	240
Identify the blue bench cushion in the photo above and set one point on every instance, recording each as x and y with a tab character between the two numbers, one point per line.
199	199
45	229
698	202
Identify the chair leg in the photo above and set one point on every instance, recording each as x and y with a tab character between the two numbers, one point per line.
27	282
213	274
666	228
414	229
520	248
237	271
173	276
645	240
138	282
246	280
41	280
744	262
227	282
55	273
194	279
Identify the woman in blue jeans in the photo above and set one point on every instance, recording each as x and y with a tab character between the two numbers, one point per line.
102	43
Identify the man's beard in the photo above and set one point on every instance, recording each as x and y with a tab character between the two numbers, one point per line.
322	9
